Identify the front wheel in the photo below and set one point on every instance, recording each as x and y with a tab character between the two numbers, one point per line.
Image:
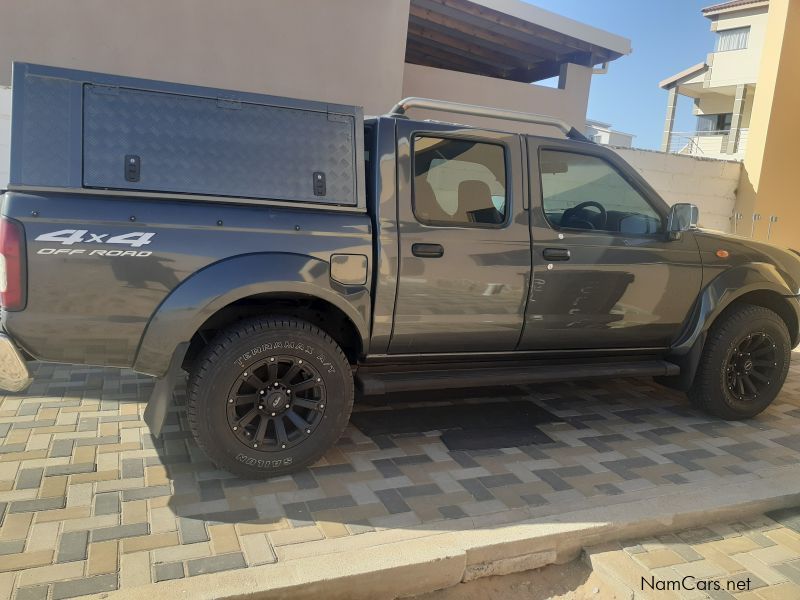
744	363
269	396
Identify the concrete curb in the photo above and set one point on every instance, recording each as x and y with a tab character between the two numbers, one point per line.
388	568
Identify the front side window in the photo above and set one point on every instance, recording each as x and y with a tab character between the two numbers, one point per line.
459	182
732	39
587	192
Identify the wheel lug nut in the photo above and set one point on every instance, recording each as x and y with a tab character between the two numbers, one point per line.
260	407
288	391
318	379
255	445
275	384
244	374
283	445
273	414
299	362
262	392
230	400
287	406
308	431
235	428
322	406
271	360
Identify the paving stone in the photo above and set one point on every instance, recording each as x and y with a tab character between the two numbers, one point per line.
392	500
698	536
192	530
305	480
132	467
119	532
36	505
84	587
214	564
476	489
29	479
73	546
387	468
11	547
70	469
452	512
425	489
146	492
61	448
168	571
106	503
33	592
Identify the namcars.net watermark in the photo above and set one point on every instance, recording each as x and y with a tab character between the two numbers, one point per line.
691	583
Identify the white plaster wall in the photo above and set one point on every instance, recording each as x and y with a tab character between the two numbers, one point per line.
710	184
5	134
568	104
740	66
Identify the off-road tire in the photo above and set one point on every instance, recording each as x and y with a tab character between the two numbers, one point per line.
715	389
247	349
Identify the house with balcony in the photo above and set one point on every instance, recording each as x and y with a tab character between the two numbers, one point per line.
604	133
722	86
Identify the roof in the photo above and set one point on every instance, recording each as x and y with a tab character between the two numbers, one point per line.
686	73
732	4
506	39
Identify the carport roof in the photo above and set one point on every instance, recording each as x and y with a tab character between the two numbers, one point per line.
506	39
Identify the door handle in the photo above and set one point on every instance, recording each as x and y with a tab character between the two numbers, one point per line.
427	250
555	254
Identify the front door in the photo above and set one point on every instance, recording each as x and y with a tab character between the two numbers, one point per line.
605	273
464	240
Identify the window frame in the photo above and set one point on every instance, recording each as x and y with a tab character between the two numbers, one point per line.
659	209
460	138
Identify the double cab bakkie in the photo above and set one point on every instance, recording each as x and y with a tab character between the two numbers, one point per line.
287	253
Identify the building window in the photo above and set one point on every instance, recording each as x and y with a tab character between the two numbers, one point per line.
732	39
459	182
714	124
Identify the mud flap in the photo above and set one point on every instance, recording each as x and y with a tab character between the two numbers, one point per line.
688	363
161	398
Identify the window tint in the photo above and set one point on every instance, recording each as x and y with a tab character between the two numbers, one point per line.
459	182
586	192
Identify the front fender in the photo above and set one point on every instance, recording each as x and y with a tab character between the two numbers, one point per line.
725	288
205	292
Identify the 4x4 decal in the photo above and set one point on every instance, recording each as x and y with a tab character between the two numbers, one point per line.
69	237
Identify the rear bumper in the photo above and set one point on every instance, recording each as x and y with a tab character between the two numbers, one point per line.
14	374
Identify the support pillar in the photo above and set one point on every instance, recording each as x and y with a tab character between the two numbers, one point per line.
736	120
669	121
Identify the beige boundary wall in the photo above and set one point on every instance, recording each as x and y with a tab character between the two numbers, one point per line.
709	183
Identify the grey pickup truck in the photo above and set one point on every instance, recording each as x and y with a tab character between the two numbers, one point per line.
287	253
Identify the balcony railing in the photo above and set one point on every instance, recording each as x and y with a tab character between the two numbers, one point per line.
711	144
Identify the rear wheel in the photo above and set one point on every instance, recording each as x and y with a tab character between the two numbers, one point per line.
269	396
744	363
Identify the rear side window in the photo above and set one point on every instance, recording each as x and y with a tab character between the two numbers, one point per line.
459	182
586	192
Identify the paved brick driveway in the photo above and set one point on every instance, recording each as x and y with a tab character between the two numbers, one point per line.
89	502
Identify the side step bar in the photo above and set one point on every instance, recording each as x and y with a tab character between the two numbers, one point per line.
376	383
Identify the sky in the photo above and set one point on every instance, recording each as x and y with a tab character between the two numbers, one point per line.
667	36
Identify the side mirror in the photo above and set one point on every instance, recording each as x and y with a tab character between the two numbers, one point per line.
682	217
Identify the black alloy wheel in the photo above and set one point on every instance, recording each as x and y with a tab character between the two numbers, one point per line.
276	404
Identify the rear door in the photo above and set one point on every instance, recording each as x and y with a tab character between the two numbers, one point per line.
464	258
605	273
